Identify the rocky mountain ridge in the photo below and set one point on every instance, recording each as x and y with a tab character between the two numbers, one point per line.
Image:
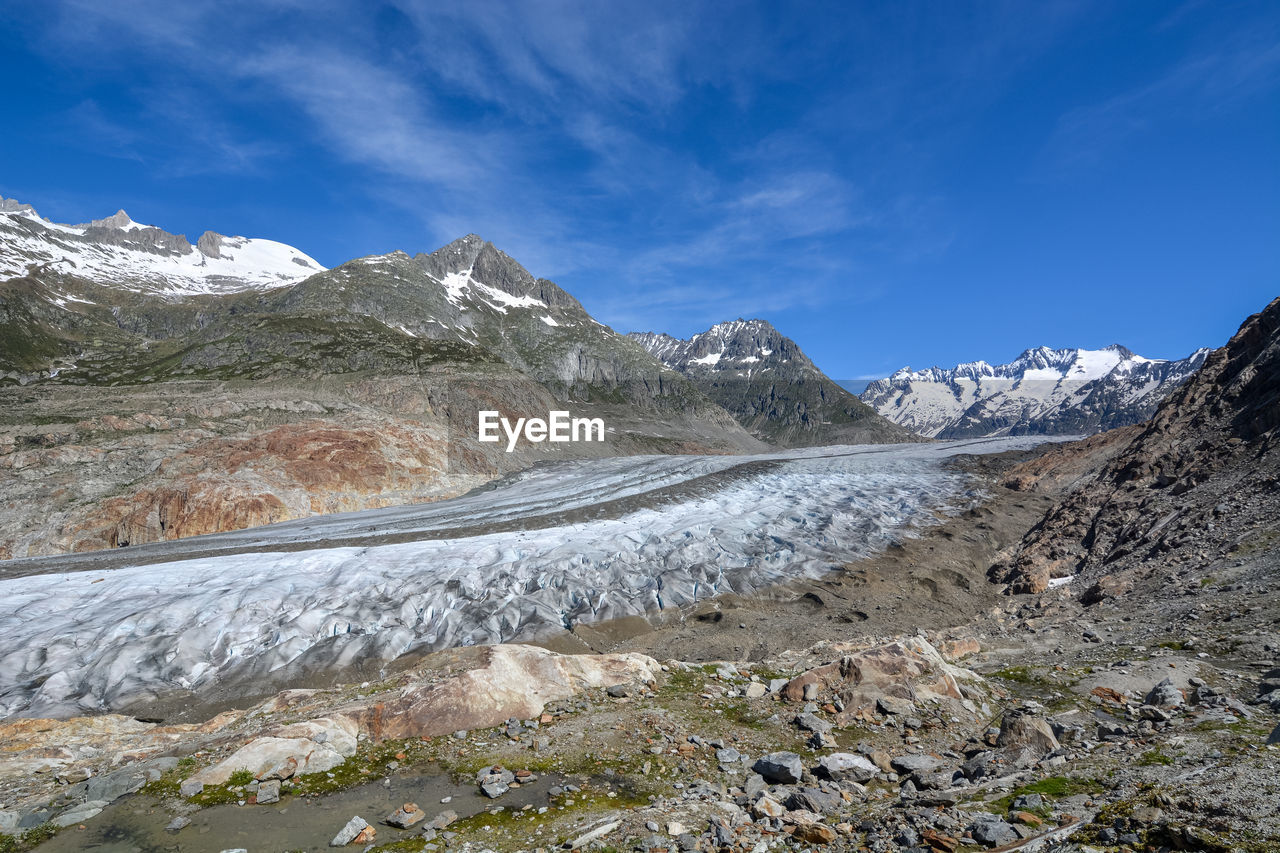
145	258
1042	392
770	386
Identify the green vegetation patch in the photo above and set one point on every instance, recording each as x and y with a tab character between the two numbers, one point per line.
1055	787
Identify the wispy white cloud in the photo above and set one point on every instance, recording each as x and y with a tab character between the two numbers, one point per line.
1207	81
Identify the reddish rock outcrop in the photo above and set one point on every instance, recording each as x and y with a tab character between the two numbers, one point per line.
909	669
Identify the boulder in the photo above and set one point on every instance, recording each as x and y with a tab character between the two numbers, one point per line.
784	768
992	831
813	723
815	833
268	792
902	674
1020	729
314	746
1165	695
845	766
813	800
767	807
511	681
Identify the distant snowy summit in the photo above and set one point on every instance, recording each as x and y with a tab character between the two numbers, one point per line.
770	386
116	250
1042	392
739	346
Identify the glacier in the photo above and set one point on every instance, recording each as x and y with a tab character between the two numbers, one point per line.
558	544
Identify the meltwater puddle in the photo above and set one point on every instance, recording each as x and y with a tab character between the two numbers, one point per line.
137	824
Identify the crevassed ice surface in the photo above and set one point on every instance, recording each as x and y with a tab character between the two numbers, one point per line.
83	641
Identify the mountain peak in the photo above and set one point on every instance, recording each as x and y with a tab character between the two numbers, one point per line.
117	220
12	205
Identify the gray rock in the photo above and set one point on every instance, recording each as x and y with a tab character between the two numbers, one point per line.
493	790
349	832
80	813
445	818
177	824
1022	729
754	786
782	767
495	781
776	684
728	755
932	780
813	800
810	692
979	766
8	820
1028	801
895	705
269	792
112	786
993	831
813	723
190	787
1275	735
845	766
1165	695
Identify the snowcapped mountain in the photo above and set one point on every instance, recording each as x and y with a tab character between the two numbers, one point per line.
765	381
1044	391
741	347
121	252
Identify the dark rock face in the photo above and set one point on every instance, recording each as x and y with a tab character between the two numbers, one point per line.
770	386
1200	477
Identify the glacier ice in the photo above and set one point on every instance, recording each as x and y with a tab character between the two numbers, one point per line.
693	527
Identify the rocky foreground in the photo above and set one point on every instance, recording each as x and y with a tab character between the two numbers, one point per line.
892	745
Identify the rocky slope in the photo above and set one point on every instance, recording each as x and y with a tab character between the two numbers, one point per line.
770	386
1042	392
143	401
1197	487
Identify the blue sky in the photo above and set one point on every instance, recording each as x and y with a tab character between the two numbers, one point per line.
888	183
